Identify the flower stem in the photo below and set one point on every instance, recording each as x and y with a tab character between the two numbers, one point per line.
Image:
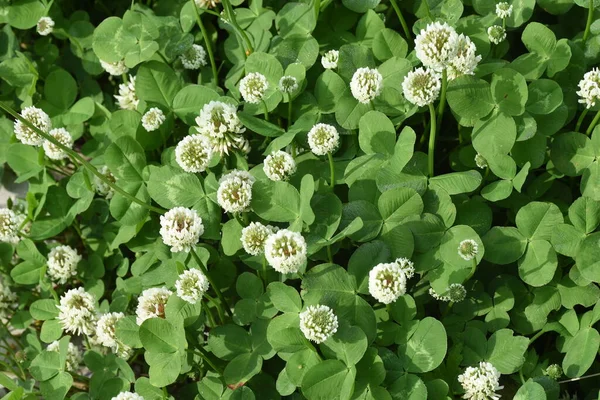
219	309
82	161
581	118
442	105
212	283
331	169
579	378
266	109
593	124
329	255
402	20
431	139
231	17
590	18
205	356
264	270
537	335
289	111
209	49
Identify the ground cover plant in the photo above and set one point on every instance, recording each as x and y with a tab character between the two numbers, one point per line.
321	199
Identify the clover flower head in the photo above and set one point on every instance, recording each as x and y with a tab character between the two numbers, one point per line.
77	312
130	395
422	86
437	296
285	251
387	282
153	119
589	88
181	228
366	84
318	323
323	139
114	68
468	249
554	371
219	123
191	285
8	301
193	153
279	165
480	161
436	45
465	61
481	382
63	137
194	57
38	118
62	263
9	226
127	97
288	84
235	191
207	3
254	236
74	355
496	34
151	304
102	187
504	10
45	26
406	266
106	334
253	87
330	59
456	292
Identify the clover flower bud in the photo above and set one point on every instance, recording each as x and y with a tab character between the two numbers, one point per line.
153	119
422	86
387	282
235	191
62	263
366	84
496	34
38	118
589	88
191	285
279	165
288	84
9	226
254	236
318	323
63	137
504	10
45	26
465	61
151	304
253	87
285	251
436	45
330	59
193	153
480	161
323	139
468	249
554	371
181	228
77	312
481	382
194	57
219	123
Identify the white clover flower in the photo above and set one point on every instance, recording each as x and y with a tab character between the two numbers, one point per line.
422	86
38	118
127	98
114	68
193	153
456	292
323	139
9	226
45	26
101	187
207	3
318	323
153	119
235	191
496	34
366	84
279	165
107	337
151	304
589	88
330	59
74	355
406	266
53	151
191	285
285	251
253	87
387	282
129	395
504	10
465	61
437	296
436	45
77	312
219	123
481	382
181	228
254	236
62	263
480	161
8	301
194	58
468	249
288	84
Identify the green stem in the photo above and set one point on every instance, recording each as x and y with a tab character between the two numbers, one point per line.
402	20
581	118
331	169
212	283
231	17
504	23
209	315
266	110
521	376
590	18
593	124
431	140
329	255
264	270
205	356
537	335
216	304
317	8
289	111
580	378
207	43
79	159
442	105
448	308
